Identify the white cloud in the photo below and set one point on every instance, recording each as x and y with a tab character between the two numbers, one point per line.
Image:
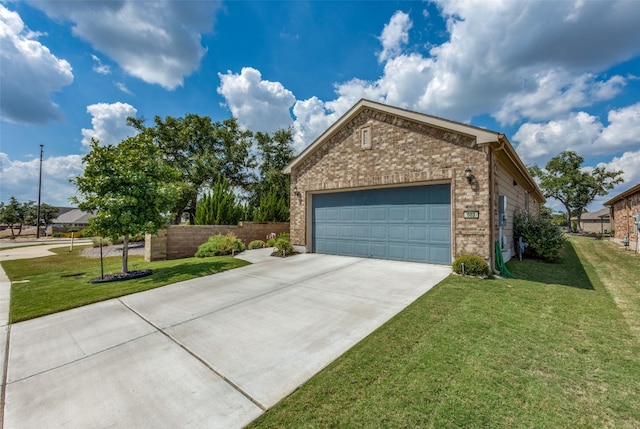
623	131
156	41
20	178
109	123
30	74
629	163
122	87
519	61
580	132
537	142
98	67
259	105
556	92
394	35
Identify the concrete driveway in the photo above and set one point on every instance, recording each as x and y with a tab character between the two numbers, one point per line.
212	352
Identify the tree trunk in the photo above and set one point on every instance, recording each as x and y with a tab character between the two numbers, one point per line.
125	254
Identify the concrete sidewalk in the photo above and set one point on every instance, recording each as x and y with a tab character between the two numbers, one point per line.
210	352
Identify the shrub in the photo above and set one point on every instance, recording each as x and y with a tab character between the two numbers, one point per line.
471	265
271	242
283	247
256	244
220	245
544	239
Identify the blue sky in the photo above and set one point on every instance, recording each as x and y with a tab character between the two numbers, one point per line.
552	76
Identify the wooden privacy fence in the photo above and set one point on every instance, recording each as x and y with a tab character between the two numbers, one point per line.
182	241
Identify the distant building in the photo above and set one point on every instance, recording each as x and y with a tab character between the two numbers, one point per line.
623	208
70	219
595	222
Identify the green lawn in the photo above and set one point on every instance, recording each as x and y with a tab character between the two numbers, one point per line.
61	282
557	348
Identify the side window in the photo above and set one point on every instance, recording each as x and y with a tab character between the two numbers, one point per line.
502	210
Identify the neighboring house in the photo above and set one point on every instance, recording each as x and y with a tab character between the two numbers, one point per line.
70	219
388	183
624	208
595	222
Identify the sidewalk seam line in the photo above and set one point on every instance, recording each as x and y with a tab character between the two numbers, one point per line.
199	359
5	375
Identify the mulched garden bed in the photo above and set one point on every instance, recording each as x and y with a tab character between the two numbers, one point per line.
118	277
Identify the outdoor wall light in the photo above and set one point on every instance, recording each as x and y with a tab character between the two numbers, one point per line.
468	175
296	192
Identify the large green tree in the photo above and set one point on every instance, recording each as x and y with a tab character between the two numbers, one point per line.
270	193
128	187
47	214
201	150
564	179
15	214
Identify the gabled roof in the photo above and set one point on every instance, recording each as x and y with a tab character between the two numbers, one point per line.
600	214
497	141
623	195
73	216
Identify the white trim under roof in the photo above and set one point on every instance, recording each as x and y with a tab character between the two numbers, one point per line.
482	136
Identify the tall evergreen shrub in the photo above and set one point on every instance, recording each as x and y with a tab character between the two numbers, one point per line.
544	239
219	207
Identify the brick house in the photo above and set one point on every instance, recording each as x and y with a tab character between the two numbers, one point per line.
623	209
594	222
389	183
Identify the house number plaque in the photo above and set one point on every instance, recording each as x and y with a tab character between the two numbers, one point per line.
471	214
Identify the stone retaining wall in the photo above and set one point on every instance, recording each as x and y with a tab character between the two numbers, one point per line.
182	241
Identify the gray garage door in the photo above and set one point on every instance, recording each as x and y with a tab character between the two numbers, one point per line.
406	224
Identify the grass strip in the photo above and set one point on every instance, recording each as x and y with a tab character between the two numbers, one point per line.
51	284
550	349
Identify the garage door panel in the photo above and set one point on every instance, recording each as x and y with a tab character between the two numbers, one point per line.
418	233
362	231
439	234
412	223
397	214
332	214
440	213
362	214
346	231
332	231
417	214
346	214
378	214
397	232
417	253
378	232
440	254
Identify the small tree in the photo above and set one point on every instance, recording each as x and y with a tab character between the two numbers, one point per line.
14	215
564	179
128	187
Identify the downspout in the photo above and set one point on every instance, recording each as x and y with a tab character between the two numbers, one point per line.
492	200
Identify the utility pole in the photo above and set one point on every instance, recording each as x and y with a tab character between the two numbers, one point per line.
39	194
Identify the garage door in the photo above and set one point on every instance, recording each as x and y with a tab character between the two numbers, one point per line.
406	224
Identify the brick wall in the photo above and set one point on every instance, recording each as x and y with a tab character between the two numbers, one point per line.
401	152
623	220
182	241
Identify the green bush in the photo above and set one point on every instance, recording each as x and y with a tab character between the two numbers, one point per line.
271	242
220	245
283	247
544	239
471	265
256	244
